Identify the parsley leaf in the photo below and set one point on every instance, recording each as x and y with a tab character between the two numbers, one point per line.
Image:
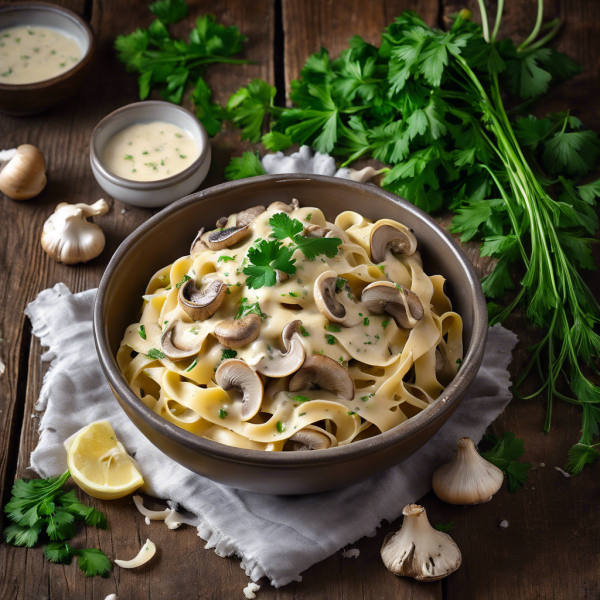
247	165
266	257
284	227
155	353
93	562
444	527
246	308
505	454
249	106
142	331
185	278
169	11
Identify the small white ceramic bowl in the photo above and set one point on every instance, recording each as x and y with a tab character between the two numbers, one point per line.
149	194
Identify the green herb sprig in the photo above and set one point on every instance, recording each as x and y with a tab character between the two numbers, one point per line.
505	455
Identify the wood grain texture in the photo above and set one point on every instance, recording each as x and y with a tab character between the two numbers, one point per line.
550	549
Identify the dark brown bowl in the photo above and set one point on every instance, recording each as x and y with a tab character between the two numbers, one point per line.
32	98
167	236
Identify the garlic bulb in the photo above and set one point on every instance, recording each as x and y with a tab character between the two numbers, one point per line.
418	550
67	235
22	172
468	478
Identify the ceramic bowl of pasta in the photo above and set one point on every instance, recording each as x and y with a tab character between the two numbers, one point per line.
46	53
290	334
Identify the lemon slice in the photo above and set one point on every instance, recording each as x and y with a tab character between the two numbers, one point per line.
99	463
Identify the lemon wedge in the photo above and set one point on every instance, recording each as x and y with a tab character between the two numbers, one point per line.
99	463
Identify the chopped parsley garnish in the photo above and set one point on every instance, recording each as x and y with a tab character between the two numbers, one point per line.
155	353
246	308
330	339
265	258
128	157
222	413
333	327
224	258
351	413
185	278
293	294
366	321
367	397
303	331
340	283
192	365
301	414
300	398
194	330
444	528
228	353
309	216
384	324
142	331
280	427
505	454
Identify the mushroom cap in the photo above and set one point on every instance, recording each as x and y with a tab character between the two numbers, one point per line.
279	364
281	276
396	300
238	375
246	217
198	246
224	238
221	222
308	439
316	231
235	333
319	371
177	347
398	238
200	305
324	296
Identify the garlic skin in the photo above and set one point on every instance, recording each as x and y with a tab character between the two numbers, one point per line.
67	235
365	175
468	478
418	550
24	175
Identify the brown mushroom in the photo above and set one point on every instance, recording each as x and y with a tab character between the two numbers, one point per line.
397	238
322	372
224	238
235	333
324	296
201	305
396	300
177	344
246	217
279	364
220	224
316	231
235	374
281	276
198	246
287	208
308	439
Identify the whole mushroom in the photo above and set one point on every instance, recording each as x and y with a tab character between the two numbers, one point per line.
308	439
322	372
22	172
280	364
177	343
68	236
237	375
200	305
235	333
396	300
389	235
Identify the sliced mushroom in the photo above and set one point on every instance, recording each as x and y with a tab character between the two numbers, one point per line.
177	345
235	374
308	439
316	231
235	333
224	238
279	364
222	222
396	300
288	208
201	305
397	238
198	246
324	295
246	217
281	276
322	372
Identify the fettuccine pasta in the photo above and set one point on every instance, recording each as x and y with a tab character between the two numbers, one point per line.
282	331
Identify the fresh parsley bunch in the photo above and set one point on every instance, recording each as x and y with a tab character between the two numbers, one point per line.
504	454
430	104
266	257
42	507
174	64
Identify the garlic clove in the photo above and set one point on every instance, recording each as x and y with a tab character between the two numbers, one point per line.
468	478
68	236
418	550
24	175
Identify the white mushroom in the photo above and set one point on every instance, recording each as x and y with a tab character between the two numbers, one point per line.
246	217
224	238
67	235
198	246
234	333
322	372
282	207
418	550
278	364
200	305
22	172
308	439
468	478
178	343
389	235
396	300
238	375
324	296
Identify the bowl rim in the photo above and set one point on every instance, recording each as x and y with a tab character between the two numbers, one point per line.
450	396
85	59
159	184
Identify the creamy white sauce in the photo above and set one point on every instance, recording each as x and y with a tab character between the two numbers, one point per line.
150	151
32	54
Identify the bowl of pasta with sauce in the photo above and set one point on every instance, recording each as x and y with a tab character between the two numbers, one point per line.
290	334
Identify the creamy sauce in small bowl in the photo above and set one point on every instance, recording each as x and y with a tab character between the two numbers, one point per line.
150	151
29	54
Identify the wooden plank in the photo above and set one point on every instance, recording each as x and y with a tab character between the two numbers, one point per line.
553	519
62	134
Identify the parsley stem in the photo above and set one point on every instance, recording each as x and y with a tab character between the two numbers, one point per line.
499	11
536	28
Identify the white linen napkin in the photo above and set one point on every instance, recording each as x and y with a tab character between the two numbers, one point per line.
275	536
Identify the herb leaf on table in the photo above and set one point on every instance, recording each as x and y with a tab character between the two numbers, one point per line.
505	455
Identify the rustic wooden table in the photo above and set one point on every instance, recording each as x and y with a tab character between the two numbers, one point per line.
551	548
